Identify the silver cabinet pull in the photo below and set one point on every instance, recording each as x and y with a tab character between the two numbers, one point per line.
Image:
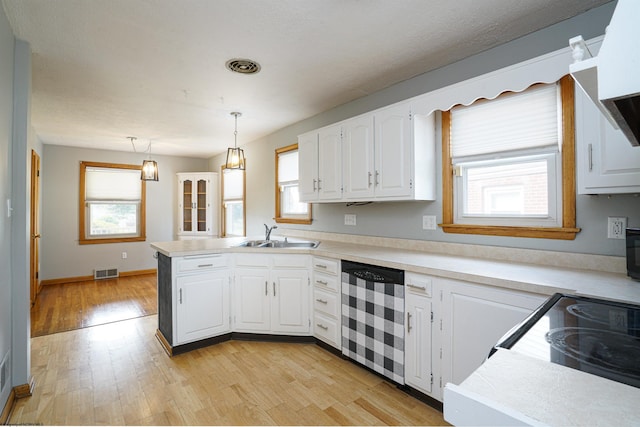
422	288
205	265
408	322
590	157
314	185
377	182
180	296
321	266
369	178
266	287
274	289
322	301
321	326
322	282
319	181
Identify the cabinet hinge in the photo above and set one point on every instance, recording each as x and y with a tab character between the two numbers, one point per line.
432	317
411	184
410	116
309	322
440	382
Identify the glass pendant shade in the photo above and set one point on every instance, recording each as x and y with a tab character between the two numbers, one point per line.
149	170
235	158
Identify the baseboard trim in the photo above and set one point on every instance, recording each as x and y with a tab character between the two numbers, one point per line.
90	278
164	343
18	392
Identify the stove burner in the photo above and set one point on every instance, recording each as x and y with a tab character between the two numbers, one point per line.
611	351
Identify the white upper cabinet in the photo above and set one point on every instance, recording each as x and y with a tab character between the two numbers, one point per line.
606	161
387	154
320	165
197	212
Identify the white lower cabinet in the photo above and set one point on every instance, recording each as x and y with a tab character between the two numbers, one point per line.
271	294
202	303
418	350
474	317
326	301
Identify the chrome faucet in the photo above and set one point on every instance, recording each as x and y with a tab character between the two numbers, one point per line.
268	230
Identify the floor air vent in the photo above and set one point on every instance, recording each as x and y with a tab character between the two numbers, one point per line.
107	273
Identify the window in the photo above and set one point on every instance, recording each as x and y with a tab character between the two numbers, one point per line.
288	206
112	203
508	164
233	202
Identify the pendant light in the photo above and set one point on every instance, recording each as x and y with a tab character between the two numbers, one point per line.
149	170
235	155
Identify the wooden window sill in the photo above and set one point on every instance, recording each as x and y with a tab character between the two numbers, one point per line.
561	233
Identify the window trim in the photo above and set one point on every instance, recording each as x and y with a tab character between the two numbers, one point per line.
244	202
82	239
279	218
568	230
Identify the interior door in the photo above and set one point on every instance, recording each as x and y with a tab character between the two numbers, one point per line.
34	247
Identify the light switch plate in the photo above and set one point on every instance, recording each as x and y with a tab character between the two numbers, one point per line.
428	222
349	219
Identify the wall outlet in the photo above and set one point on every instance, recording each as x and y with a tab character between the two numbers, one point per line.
616	227
124	255
428	222
349	219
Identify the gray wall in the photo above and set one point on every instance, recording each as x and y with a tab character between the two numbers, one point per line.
6	119
404	220
62	256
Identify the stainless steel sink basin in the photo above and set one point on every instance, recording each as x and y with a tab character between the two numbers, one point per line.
278	244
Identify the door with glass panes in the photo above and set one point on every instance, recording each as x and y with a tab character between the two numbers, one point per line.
197	216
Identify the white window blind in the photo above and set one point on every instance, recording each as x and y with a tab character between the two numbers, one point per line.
233	184
112	184
288	166
513	121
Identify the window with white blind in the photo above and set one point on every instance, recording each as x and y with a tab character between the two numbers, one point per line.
233	202
503	163
288	205
112	203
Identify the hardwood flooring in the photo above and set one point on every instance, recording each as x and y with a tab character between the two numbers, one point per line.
118	373
68	306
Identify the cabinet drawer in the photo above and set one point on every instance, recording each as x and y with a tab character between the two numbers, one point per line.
329	266
418	283
326	329
326	302
197	263
291	261
327	281
252	260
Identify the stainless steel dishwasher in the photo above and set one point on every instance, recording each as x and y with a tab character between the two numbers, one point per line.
373	318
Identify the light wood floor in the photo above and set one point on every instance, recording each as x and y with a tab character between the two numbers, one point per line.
68	306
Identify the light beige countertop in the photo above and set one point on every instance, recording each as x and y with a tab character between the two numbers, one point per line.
539	279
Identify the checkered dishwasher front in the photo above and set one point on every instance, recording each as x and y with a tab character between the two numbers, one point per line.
373	324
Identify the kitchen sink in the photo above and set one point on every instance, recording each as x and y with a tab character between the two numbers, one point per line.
278	244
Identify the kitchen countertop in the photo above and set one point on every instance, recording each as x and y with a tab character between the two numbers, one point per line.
519	276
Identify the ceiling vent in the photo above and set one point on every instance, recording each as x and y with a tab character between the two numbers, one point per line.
243	66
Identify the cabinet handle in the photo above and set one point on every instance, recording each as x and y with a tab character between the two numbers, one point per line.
369	178
408	322
266	287
422	288
321	301
314	185
274	289
377	178
180	296
319	181
321	326
590	151
205	265
322	282
321	266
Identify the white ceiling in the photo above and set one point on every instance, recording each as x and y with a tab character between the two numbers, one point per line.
104	70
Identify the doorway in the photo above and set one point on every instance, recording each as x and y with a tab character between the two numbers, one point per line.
34	219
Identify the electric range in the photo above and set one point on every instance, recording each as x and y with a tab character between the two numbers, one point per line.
593	335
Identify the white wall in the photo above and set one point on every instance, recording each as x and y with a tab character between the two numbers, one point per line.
404	220
62	256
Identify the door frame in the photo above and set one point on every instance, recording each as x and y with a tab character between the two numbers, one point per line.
34	219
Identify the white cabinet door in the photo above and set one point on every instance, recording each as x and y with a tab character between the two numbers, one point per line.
202	309
330	163
393	151
252	300
474	318
308	166
418	348
358	158
290	301
606	161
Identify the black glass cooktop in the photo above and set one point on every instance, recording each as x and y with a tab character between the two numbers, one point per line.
592	335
